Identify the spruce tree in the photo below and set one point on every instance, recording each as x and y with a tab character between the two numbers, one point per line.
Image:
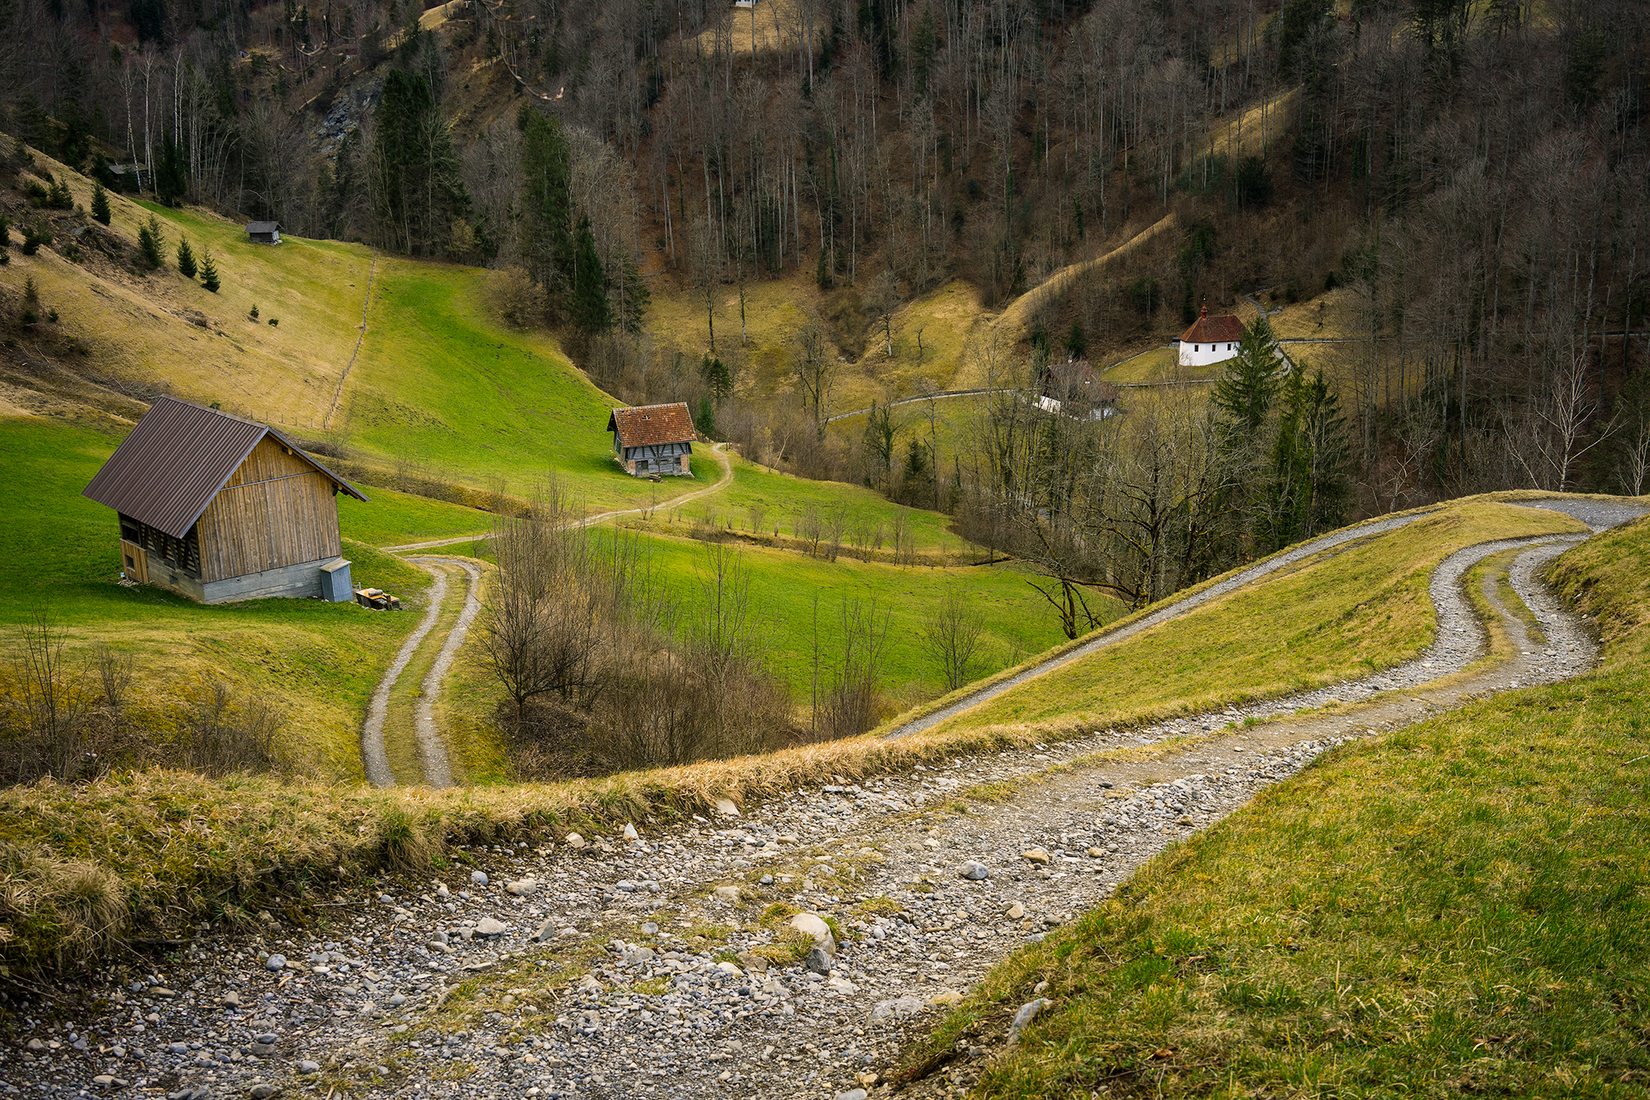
209	271
100	203
186	258
1249	382
151	242
547	209
590	312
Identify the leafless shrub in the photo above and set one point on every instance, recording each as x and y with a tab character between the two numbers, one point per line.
601	670
951	635
848	702
514	298
541	629
223	735
114	673
54	719
810	530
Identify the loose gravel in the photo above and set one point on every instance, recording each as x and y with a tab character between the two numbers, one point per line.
657	962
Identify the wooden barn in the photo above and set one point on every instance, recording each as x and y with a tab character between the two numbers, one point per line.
653	440
264	232
220	508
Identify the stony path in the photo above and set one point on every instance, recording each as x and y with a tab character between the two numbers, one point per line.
432	749
656	964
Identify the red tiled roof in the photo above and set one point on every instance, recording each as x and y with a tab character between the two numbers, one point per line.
1222	328
647	425
177	459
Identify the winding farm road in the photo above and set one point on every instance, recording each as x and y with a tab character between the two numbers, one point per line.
1172	610
432	749
635	967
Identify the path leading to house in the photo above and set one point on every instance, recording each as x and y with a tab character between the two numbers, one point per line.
432	750
360	337
719	450
655	964
375	761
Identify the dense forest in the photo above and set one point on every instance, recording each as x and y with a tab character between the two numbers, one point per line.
1474	173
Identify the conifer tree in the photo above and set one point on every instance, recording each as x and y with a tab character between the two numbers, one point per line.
100	203
186	258
209	271
151	242
547	209
590	312
1247	385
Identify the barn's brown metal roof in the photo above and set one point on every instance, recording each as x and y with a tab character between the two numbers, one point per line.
1222	328
647	425
178	458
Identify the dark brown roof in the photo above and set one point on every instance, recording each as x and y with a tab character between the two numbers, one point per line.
646	425
1222	328
1077	379
178	458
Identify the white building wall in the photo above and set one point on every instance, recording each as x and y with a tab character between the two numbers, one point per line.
1201	355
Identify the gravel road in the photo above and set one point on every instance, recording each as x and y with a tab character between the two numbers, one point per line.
432	749
638	965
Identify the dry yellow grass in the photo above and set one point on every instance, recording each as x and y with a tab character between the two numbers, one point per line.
1020	312
204	345
767	27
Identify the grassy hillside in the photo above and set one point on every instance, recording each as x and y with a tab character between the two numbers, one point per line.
1353	611
315	662
318	662
438	389
1489	937
90	866
765	504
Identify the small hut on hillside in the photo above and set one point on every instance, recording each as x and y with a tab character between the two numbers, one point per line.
1210	339
653	440
220	508
264	232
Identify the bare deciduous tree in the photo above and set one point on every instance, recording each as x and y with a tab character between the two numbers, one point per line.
951	634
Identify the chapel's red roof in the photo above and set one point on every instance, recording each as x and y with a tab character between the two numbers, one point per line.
1222	328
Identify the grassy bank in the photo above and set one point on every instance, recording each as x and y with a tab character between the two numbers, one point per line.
1460	907
315	662
1355	610
130	857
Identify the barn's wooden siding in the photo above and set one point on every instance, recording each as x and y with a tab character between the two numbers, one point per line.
276	510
